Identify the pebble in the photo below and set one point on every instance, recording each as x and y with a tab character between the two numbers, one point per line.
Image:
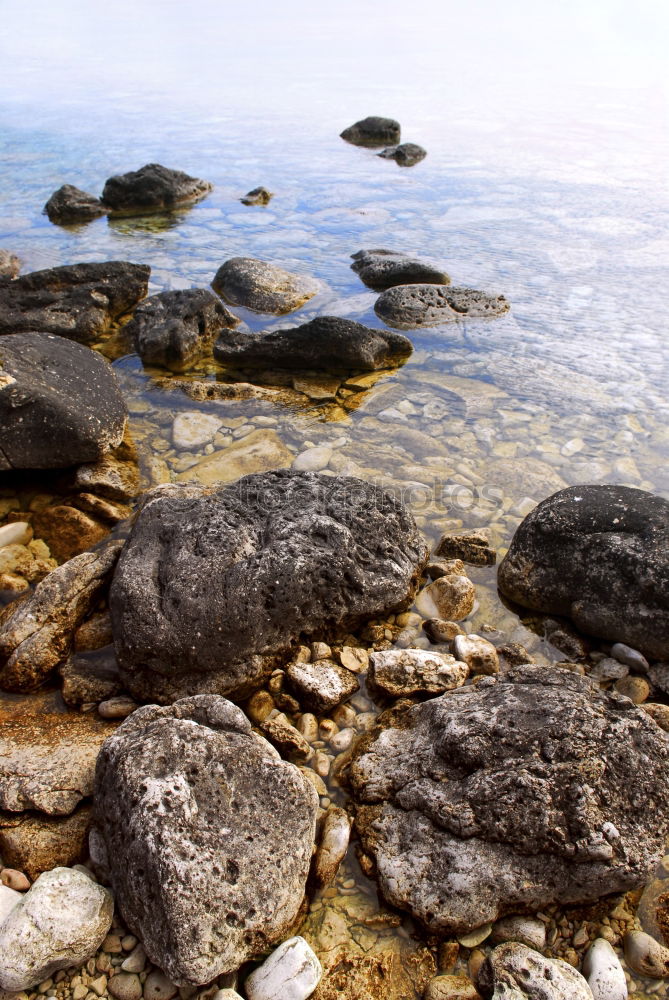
16	533
117	708
479	654
333	845
125	986
527	930
451	988
342	740
449	597
637	689
99	985
312	459
292	972
658	712
632	658
475	937
320	651
129	942
14	879
604	973
645	955
192	430
136	960
344	716
608	669
307	725
158	987
354	659
260	706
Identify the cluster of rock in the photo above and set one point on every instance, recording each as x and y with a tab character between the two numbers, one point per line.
375	131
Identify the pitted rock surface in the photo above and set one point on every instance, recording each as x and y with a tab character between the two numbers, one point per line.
407	307
217	829
215	585
515	972
526	789
152	188
600	556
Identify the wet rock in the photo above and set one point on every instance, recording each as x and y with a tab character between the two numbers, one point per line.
257	196
333	845
528	800
36	843
10	264
205	596
645	955
60	403
326	343
152	188
90	677
479	654
265	288
372	131
405	155
404	672
439	631
599	555
449	597
451	988
408	307
260	451
528	930
292	972
515	971
322	685
168	782
69	204
36	633
192	430
473	548
61	921
77	301
381	269
200	391
174	329
604	973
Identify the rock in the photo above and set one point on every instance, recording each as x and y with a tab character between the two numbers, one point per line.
659	713
265	288
449	597
473	548
206	596
326	343
405	155
17	533
36	632
292	972
528	800
451	988
285	737
258	196
36	843
67	531
333	845
136	960
514	971
114	476
354	658
404	672
60	922
90	677
117	708
350	974
217	829
645	955
322	685
126	986
599	555
439	631
372	131
10	264
14	879
152	188
174	329
201	392
381	269
260	451
632	658
310	460
70	205
60	403
77	301
158	986
319	388
604	973
479	654
528	930
94	633
408	307
192	430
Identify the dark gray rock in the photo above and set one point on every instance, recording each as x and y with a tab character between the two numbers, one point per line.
262	287
60	403
373	131
406	155
206	596
258	196
204	816
600	556
407	307
152	188
10	264
381	269
526	789
70	204
174	329
79	301
514	971
326	343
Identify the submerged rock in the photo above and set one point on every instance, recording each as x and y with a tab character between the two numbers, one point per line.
10	264
515	971
600	556
260	451
152	188
70	204
372	131
258	196
381	269
408	307
511	794
322	685
262	287
206	596
326	343
406	155
218	831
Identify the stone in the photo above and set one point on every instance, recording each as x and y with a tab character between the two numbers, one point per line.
36	843
192	430
405	672
513	971
311	460
479	654
439	631
69	204
262	287
292	972
451	988
117	708
115	476
10	264
9	898
36	632
59	403
285	737
14	879
158	987
94	633
408	307
152	188
175	329
257	196
202	813
528	930
604	973
89	677
381	269
600	556
125	986
77	301
322	685
408	154
510	793
260	451
354	658
60	922
659	713
632	658
352	974
136	960
645	955
372	131
16	533
67	531
327	343
206	597
335	835
473	548
449	597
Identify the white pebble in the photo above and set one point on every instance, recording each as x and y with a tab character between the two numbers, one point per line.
292	972
605	974
16	533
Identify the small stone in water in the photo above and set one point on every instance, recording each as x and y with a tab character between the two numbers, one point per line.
354	659
479	654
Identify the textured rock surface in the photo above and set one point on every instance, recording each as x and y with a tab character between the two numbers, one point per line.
69	204
405	155
10	264
326	343
36	843
263	287
381	269
216	828
152	188
257	196
522	790
292	972
78	301
372	131
322	685
403	672
59	403
514	971
173	329
408	307
214	585
61	921
260	451
599	555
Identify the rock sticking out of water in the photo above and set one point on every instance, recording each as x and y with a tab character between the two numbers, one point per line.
258	196
408	307
381	269
262	287
406	155
70	205
152	188
373	131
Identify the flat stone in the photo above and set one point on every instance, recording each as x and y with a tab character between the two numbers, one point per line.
69	204
372	131
312	459
408	307
260	451
404	672
192	430
322	685
407	154
262	287
381	269
292	972
36	843
152	188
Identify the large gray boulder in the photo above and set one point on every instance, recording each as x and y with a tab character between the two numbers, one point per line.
530	788
373	131
263	287
60	403
381	269
215	585
408	307
599	555
208	833
69	204
326	343
152	188
78	301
